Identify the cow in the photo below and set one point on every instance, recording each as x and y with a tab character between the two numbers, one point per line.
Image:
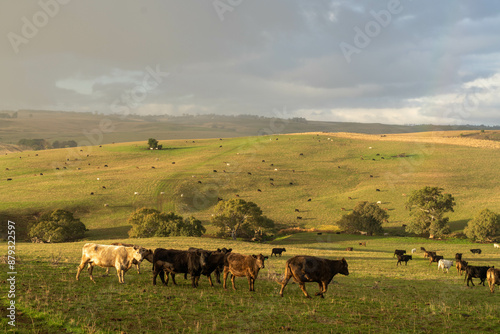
305	268
399	252
496	246
349	249
435	258
105	256
277	251
461	266
414	250
475	251
240	265
214	263
422	249
148	256
173	261
404	258
428	254
493	277
458	256
445	264
362	243
475	272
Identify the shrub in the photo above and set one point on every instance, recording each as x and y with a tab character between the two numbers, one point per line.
366	217
484	225
58	226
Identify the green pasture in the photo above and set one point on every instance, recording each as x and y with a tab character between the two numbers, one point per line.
190	175
377	296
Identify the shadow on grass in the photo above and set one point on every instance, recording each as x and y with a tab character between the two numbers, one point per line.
119	232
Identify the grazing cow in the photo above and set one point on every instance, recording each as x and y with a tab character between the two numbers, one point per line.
362	243
435	258
493	277
349	249
404	258
313	269
277	251
475	272
458	256
445	264
475	251
214	263
173	261
461	266
422	249
399	252
148	256
428	254
119	257
496	246
240	265
414	250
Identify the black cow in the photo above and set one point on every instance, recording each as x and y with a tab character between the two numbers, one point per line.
476	272
399	252
404	258
435	258
313	269
475	251
277	251
173	261
458	256
214	263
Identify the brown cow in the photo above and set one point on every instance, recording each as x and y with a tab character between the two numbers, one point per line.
493	277
119	257
305	268
461	266
240	265
435	258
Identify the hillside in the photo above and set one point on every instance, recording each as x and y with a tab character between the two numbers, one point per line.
189	175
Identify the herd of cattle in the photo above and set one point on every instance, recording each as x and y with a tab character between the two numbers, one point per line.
197	262
482	272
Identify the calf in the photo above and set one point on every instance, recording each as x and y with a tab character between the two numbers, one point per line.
445	264
461	266
475	272
105	256
435	258
173	261
399	252
313	269
240	265
277	251
214	263
404	258
475	251
493	277
458	256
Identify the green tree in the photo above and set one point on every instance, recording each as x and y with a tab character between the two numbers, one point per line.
147	222
238	218
58	226
428	206
484	225
153	143
365	216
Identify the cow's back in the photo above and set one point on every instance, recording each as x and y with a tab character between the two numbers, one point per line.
238	263
308	268
104	255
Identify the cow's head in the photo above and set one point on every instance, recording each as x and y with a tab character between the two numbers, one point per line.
284	250
140	253
224	250
344	268
260	260
204	255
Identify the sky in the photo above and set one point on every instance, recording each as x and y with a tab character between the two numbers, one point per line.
386	61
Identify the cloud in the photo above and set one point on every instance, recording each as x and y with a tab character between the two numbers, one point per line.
416	64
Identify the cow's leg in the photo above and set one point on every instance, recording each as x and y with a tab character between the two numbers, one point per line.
232	281
250	285
193	280
303	288
173	278
225	277
217	275
210	280
138	266
80	268
107	272
90	269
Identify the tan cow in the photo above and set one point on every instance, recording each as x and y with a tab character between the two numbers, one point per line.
493	277
240	265
148	256
105	256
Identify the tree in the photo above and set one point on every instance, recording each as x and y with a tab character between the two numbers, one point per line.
147	222
238	218
153	143
58	226
365	216
484	225
428	206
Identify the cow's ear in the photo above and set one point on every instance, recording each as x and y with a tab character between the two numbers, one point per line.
229	250
218	249
254	256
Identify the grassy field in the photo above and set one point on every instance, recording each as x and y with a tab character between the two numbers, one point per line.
335	171
377	296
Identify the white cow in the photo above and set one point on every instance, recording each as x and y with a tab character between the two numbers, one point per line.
106	256
445	264
496	245
414	250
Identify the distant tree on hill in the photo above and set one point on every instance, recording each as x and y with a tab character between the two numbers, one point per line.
58	226
35	144
238	218
148	222
153	143
428	206
64	144
365	216
484	225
